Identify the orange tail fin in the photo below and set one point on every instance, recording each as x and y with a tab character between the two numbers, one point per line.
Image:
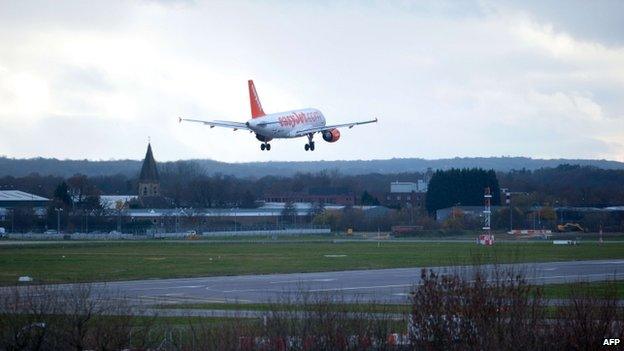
254	100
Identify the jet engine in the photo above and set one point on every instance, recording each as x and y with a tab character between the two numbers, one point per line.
263	138
331	135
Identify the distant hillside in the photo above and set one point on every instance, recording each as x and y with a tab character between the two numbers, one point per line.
65	168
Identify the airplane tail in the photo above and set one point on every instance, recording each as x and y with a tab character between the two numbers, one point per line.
254	100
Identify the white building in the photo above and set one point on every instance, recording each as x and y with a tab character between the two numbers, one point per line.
408	187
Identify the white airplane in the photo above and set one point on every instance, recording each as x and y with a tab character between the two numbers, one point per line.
289	124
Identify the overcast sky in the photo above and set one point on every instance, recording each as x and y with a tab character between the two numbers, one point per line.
88	79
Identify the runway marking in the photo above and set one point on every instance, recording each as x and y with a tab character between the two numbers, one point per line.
303	281
607	262
364	287
169	287
577	276
182	299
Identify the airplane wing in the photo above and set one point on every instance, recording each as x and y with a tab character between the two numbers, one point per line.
212	124
320	129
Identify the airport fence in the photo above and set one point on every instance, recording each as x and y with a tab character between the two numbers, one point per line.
74	236
270	232
168	235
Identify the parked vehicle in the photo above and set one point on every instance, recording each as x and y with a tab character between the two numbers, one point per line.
192	235
50	231
570	227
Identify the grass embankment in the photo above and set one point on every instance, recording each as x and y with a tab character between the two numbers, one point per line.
596	289
86	262
266	307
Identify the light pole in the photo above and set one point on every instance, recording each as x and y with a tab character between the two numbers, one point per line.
119	220
508	200
175	221
89	214
58	219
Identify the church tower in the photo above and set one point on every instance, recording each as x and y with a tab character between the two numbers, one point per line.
149	183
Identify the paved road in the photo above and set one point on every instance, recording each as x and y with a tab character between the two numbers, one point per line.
388	285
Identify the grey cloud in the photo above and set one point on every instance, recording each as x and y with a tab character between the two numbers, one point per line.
172	2
445	78
43	15
81	78
600	20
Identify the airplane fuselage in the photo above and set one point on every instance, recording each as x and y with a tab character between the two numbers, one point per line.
289	124
286	124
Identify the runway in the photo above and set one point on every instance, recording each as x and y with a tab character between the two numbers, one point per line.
380	285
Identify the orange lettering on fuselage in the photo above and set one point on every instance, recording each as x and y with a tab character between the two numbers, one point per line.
298	118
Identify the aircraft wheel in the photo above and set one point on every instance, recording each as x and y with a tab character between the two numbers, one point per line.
268	147
306	147
311	146
262	147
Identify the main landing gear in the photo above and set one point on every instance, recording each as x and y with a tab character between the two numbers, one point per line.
310	145
265	146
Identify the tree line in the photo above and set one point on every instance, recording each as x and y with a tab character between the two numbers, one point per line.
189	185
67	168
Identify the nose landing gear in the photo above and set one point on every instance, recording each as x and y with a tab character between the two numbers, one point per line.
265	146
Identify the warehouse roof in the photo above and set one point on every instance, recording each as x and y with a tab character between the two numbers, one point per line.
16	195
16	198
270	209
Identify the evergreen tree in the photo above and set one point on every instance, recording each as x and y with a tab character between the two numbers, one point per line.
369	200
461	187
249	201
316	209
289	212
61	194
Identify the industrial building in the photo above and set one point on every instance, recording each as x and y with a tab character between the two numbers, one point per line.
16	198
113	202
268	216
467	211
324	195
269	212
407	194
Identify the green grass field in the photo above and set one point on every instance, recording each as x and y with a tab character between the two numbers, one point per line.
596	289
84	262
336	307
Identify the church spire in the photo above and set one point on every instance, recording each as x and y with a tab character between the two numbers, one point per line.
149	172
149	182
